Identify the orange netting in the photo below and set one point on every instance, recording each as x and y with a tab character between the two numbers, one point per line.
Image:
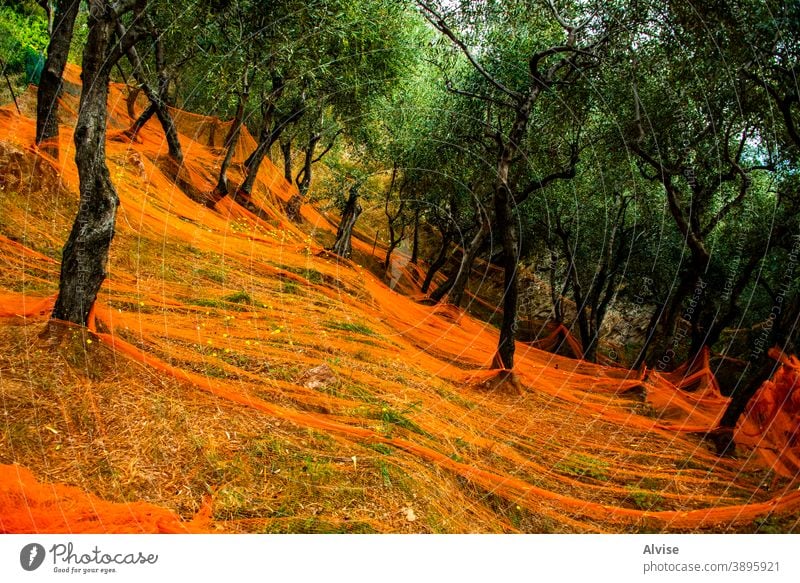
33	507
193	289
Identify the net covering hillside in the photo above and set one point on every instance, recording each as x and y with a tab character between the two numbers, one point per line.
237	377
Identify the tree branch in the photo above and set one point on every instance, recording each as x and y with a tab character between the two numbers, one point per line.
566	173
328	149
438	22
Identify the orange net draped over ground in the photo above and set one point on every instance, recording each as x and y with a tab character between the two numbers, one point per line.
242	309
32	507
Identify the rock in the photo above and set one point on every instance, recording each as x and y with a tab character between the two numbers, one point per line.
319	377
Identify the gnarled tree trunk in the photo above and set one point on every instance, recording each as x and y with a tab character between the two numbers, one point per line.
83	266
343	245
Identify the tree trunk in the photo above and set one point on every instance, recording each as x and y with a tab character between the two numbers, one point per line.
212	133
586	330
456	285
391	219
293	207
691	283
268	136
130	100
649	334
343	245
439	262
255	160
662	325
504	212
712	324
262	137
783	335
507	345
387	262
303	179
51	80
232	139
140	121
86	252
157	98
415	241
286	150
555	296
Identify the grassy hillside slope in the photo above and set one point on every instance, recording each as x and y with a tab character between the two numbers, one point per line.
238	378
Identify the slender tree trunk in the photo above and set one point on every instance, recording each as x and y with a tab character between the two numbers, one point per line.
343	245
269	135
456	285
507	345
415	241
83	266
555	296
712	326
63	22
649	335
391	219
393	243
130	101
255	160
212	133
303	180
692	287
262	137
589	342
140	121
504	211
438	263
286	150
293	207
157	98
232	139
586	330
662	325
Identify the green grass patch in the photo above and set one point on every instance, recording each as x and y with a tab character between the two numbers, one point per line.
240	297
583	466
381	448
392	417
316	525
217	275
644	499
351	327
290	287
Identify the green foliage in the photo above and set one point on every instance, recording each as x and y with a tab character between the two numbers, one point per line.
23	41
